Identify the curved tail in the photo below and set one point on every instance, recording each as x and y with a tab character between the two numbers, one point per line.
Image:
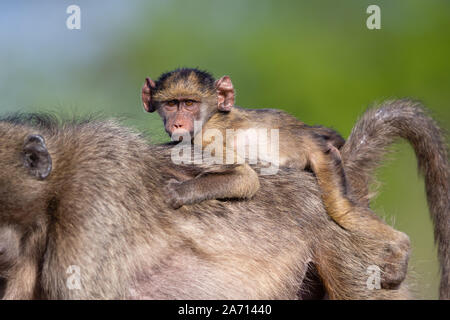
367	145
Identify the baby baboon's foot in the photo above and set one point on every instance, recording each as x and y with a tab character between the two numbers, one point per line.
395	261
333	151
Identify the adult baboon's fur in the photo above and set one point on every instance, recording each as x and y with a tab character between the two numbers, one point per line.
102	209
367	145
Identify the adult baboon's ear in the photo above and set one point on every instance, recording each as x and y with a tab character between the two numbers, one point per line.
225	94
36	157
147	95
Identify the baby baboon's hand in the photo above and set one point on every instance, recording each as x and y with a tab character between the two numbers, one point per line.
173	194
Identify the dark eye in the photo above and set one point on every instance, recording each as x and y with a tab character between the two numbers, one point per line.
171	103
189	103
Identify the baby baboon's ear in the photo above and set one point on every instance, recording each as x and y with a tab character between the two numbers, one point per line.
147	95
225	94
36	157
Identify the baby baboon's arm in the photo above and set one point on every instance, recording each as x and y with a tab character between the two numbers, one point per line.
225	182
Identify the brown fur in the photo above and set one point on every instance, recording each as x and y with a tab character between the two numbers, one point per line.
102	209
361	154
190	87
9	250
367	145
300	146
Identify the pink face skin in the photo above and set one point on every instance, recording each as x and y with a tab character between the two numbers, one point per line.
180	114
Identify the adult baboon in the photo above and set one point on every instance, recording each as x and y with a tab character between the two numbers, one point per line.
89	195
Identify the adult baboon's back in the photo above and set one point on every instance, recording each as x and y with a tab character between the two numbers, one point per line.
102	209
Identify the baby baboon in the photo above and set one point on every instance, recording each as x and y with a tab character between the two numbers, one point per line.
99	209
184	96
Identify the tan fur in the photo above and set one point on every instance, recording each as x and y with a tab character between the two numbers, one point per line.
367	145
300	146
189	88
102	208
346	204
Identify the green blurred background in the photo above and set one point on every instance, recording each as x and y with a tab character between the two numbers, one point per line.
315	59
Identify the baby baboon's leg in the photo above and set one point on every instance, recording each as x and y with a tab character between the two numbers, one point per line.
394	245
